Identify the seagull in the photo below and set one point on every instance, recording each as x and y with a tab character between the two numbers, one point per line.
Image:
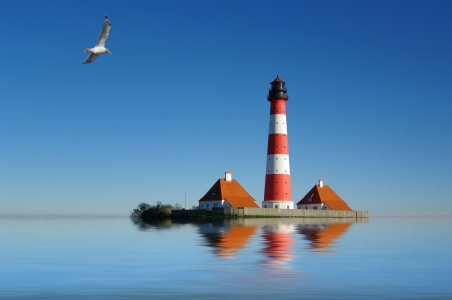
100	47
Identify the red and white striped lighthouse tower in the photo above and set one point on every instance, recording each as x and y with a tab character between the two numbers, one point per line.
278	192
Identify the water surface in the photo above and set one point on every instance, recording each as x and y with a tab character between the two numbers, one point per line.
113	258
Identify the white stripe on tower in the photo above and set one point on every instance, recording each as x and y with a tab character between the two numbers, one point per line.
277	124
278	164
277	192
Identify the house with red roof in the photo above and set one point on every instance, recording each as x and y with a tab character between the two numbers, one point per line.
322	197
227	192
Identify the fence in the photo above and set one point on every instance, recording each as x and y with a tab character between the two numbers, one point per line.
272	212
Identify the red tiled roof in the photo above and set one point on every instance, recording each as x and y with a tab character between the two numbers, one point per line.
230	191
324	195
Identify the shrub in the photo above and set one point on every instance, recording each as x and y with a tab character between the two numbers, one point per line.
145	212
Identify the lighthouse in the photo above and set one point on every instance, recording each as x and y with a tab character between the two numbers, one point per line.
278	192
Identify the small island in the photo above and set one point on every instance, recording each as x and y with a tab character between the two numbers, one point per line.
150	213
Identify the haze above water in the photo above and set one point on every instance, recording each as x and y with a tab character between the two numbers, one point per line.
112	258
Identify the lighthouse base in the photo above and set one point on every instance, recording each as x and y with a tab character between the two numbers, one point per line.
277	204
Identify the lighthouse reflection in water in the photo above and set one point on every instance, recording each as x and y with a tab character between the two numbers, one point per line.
277	240
274	237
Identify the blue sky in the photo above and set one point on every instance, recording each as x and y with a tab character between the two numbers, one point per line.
183	99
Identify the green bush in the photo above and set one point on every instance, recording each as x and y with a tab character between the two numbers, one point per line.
145	212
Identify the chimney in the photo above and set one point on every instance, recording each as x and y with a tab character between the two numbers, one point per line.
228	176
321	182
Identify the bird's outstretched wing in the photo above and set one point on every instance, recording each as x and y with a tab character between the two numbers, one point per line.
91	57
104	33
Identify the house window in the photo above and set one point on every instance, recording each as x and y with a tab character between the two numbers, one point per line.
305	207
276	206
315	207
265	206
216	204
309	199
207	205
287	206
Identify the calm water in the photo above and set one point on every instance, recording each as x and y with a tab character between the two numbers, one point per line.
384	258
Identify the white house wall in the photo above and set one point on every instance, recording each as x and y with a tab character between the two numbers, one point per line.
321	206
209	204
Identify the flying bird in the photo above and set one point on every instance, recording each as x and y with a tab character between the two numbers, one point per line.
100	46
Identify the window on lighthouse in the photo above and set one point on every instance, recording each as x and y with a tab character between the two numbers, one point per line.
277	85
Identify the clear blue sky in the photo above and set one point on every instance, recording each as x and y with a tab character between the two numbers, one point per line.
183	99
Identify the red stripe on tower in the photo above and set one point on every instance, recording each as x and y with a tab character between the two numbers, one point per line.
278	192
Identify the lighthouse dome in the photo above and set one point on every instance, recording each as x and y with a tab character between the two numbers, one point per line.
277	90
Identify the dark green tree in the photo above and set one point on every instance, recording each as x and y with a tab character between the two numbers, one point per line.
148	213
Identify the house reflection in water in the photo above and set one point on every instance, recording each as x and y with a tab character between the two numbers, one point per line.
322	236
227	237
